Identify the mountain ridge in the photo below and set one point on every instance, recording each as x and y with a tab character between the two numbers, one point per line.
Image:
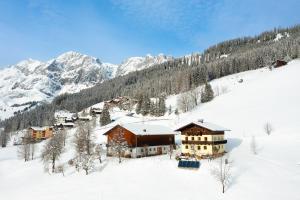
30	81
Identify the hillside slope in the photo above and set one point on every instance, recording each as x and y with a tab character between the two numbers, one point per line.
274	173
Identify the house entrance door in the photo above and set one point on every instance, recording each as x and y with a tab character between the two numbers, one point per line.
159	150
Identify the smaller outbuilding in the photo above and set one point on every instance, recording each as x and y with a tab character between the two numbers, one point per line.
279	63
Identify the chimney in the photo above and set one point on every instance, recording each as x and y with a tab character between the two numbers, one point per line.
201	120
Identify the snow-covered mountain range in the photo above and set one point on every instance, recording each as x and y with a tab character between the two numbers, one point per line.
139	63
31	81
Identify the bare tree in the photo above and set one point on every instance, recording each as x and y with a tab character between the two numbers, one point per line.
253	145
52	151
222	172
87	162
268	128
194	97
84	139
118	144
4	137
84	147
194	151
63	135
32	150
171	150
183	102
24	149
99	151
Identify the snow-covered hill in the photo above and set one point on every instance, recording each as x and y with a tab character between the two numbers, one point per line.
274	173
139	63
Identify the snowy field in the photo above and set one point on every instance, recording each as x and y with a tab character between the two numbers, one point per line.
274	173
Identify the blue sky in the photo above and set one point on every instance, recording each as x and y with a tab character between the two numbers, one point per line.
114	30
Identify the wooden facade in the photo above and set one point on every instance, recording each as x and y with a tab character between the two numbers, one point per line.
40	133
142	144
200	141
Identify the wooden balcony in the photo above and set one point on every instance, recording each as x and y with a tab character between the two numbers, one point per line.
197	142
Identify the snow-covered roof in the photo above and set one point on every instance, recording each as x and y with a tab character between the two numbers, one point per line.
68	124
147	129
63	114
207	125
85	117
39	128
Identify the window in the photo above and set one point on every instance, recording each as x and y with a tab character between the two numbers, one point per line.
192	147
192	138
205	138
186	138
199	138
199	147
154	149
142	150
164	148
186	147
205	147
150	149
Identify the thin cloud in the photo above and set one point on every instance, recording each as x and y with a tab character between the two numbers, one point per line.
180	16
47	9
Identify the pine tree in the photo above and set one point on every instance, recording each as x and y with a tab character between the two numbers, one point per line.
139	104
146	104
208	94
105	116
170	110
161	106
176	111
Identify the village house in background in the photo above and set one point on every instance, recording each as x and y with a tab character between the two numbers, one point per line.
123	102
202	139
65	119
96	111
279	63
40	133
142	139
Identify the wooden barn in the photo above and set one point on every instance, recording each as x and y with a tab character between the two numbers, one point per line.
142	139
202	139
279	63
